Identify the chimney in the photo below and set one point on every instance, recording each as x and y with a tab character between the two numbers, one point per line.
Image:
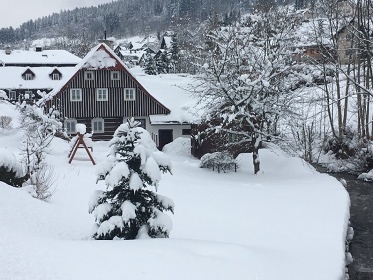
110	43
8	50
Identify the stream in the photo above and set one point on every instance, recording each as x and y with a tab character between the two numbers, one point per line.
361	211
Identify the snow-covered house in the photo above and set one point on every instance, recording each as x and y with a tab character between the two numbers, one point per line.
166	42
28	74
103	93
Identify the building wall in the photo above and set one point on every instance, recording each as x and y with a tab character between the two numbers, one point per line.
116	106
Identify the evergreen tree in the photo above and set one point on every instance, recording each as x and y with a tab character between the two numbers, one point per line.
163	63
150	65
175	52
128	209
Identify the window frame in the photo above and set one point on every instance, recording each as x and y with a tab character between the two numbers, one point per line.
142	122
86	74
56	76
112	73
80	95
98	120
12	92
29	77
69	121
30	94
102	98
133	91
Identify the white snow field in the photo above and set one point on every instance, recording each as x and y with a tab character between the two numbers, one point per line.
286	223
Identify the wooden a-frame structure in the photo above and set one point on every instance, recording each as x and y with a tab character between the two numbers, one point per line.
80	144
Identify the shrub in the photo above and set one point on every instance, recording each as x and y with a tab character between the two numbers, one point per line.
5	122
221	160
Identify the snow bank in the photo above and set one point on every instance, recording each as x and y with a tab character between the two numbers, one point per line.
9	161
366	176
180	146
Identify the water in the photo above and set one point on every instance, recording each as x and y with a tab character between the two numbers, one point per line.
361	247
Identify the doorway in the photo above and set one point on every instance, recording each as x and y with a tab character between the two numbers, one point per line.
165	137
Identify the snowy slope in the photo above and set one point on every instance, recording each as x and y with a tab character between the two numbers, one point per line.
288	222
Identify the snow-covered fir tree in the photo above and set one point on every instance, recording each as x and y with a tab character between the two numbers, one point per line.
150	65
129	208
163	63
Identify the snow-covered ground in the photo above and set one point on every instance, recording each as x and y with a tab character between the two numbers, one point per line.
287	222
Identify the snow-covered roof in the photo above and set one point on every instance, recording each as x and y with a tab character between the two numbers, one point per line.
31	57
172	90
307	32
11	77
139	42
167	41
317	31
132	54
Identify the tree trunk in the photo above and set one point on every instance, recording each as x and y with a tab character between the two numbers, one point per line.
256	160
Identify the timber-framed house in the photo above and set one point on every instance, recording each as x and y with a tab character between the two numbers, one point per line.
102	93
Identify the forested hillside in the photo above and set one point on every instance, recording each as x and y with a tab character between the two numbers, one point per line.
122	18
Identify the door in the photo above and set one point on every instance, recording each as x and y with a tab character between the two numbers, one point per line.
165	137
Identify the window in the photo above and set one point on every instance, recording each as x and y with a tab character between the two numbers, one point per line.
28	76
129	94
98	125
115	75
55	76
28	94
12	95
142	123
234	137
70	126
88	75
102	94
75	94
349	36
186	132
349	52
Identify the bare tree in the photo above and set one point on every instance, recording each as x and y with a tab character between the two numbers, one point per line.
39	132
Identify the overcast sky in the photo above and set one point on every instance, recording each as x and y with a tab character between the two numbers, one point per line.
16	12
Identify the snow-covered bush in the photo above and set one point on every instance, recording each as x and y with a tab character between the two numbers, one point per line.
11	171
5	122
345	147
221	160
3	95
39	132
128	209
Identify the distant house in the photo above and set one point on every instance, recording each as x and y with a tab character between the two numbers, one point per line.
166	42
102	93
28	74
313	53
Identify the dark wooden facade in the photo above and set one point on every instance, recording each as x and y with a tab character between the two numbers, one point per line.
143	105
115	108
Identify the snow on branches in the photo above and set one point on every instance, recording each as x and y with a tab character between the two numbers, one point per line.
128	209
246	80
